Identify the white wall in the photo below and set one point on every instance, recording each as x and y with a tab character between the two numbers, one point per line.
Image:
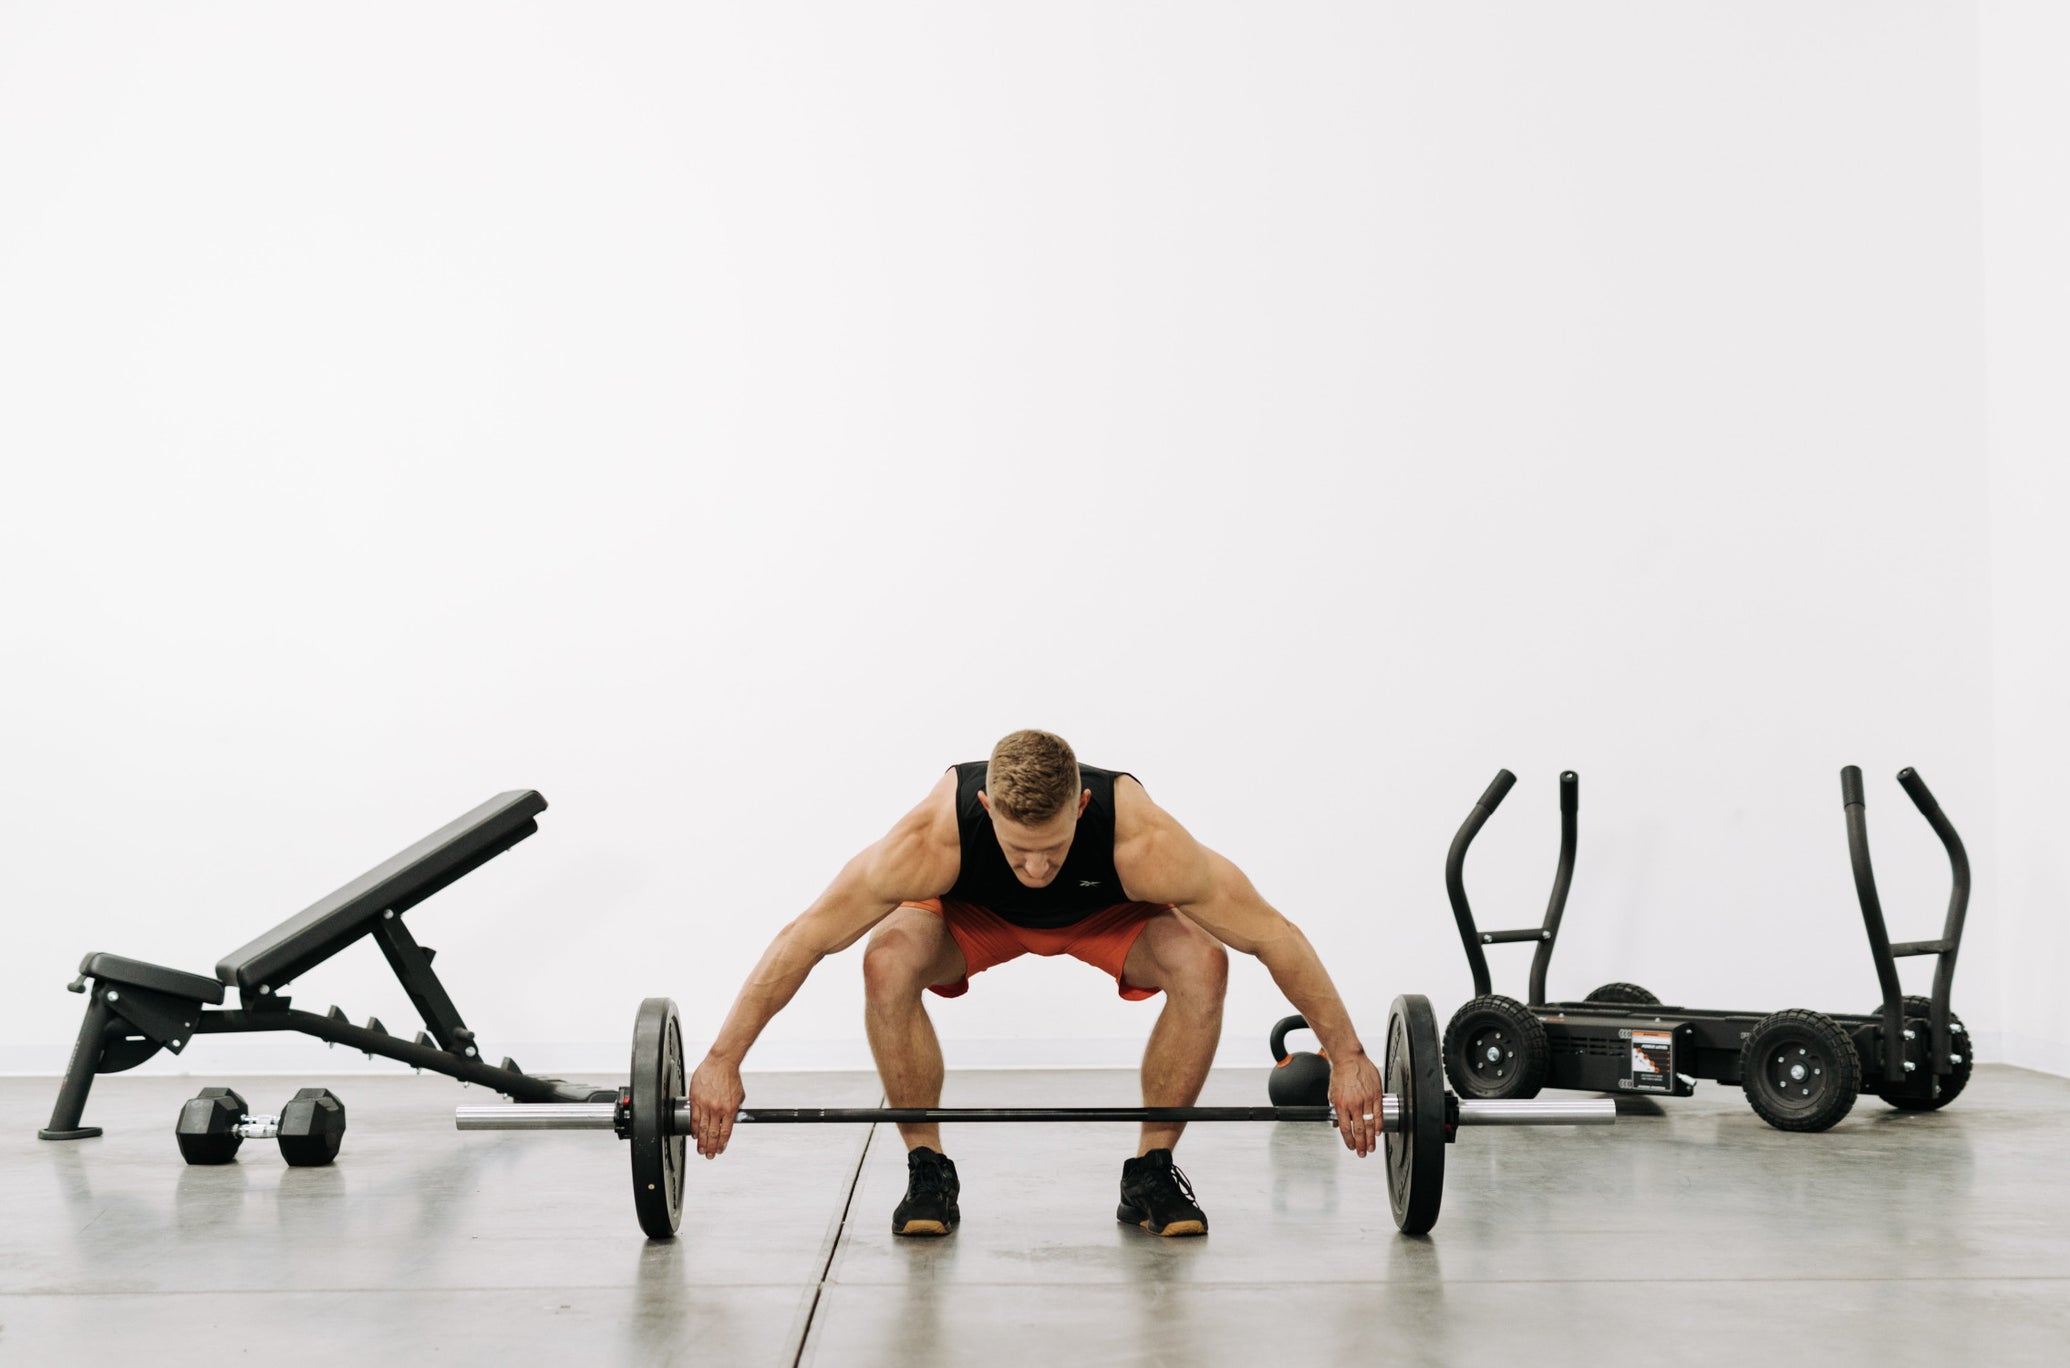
2026	222
723	418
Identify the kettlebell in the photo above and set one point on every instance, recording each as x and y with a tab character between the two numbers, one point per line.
1299	1079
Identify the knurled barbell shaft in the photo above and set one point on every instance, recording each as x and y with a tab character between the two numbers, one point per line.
926	1115
601	1115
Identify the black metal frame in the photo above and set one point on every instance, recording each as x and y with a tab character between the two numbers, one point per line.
1591	1044
134	1009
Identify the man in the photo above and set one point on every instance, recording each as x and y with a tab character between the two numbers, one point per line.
1031	853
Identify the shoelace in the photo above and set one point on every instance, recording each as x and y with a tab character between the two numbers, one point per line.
925	1179
1178	1180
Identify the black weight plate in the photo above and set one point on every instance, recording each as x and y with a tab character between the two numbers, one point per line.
1414	1074
657	1085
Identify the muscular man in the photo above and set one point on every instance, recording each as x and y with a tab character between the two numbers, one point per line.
1030	853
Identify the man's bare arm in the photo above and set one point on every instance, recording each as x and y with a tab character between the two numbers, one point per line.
857	900
1231	909
1159	861
918	858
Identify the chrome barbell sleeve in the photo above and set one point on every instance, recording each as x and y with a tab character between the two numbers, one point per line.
1538	1111
536	1116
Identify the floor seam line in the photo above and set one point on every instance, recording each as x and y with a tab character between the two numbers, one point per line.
834	1245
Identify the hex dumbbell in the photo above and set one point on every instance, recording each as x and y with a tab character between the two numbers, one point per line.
214	1122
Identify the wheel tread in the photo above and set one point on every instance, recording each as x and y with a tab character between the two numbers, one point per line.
1801	1024
1623	992
1919	1011
1534	1052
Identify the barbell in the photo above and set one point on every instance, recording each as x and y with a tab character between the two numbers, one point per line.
1418	1117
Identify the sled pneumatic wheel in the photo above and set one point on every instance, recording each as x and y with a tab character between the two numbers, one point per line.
1495	1048
1623	992
1799	1070
1921	1091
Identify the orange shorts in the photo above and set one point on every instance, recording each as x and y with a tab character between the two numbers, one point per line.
1102	940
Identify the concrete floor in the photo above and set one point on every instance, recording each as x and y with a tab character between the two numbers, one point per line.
1690	1233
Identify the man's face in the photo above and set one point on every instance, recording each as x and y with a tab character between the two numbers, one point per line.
1036	853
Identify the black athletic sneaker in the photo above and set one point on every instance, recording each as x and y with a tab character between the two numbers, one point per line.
931	1188
1157	1197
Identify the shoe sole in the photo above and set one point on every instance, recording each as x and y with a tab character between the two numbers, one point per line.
1175	1228
1178	1228
929	1228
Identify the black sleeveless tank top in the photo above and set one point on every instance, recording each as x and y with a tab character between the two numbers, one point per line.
1086	884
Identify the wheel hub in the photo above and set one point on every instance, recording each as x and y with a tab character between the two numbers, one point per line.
1798	1072
1490	1052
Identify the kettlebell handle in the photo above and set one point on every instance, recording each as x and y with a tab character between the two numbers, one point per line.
1279	1035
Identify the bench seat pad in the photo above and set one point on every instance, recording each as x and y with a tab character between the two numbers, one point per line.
322	929
138	974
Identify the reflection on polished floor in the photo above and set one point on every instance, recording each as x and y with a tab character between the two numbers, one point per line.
1689	1233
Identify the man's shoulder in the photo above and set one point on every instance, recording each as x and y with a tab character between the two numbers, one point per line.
1141	827
1132	800
924	847
932	821
1157	858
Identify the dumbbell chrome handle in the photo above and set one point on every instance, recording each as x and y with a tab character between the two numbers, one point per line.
602	1115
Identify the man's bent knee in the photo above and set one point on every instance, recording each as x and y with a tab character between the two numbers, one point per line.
1202	971
1186	962
895	967
906	953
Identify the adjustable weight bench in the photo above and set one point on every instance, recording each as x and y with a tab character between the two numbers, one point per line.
134	1009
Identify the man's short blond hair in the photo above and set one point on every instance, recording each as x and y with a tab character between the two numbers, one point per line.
1032	777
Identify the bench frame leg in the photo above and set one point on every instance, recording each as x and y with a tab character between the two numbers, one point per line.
85	1062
